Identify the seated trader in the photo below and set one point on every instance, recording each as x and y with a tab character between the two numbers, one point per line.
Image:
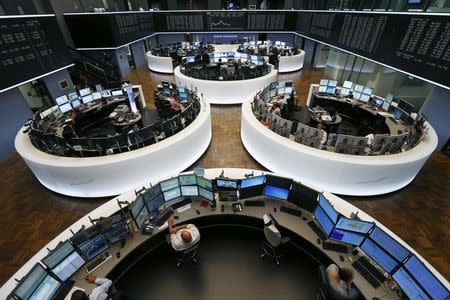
339	280
275	109
98	293
320	126
183	237
175	105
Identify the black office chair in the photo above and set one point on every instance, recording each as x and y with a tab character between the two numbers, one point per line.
272	241
188	254
324	292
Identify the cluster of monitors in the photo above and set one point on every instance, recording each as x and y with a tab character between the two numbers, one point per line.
279	88
169	89
257	43
406	269
73	100
46	278
403	111
224	57
169	192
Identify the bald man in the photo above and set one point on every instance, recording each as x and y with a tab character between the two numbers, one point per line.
184	236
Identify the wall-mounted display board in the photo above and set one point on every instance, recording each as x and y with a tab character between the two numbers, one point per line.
30	47
179	21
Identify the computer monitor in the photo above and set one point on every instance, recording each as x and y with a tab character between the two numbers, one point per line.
254	58
378	255
276	192
367	90
358	88
65	107
364	98
405	106
154	203
139	211
377	101
330	90
323	220
389	244
322	89
427	280
386	105
69	266
172	194
189	190
398	113
117	93
332	83
345	92
61	100
277	43
84	92
169	184
37	284
356	95
190	179
226	184
190	59
115	228
87	99
106	93
347	84
288	90
281	182
252	181
354	225
346	237
303	196
58	254
204	183
405	281
183	97
323	82
75	103
328	208
94	247
206	194
281	84
96	95
72	96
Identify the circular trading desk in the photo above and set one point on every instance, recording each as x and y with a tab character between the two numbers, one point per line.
115	174
291	63
160	64
338	173
226	91
297	225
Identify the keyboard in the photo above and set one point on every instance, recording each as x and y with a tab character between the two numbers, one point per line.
163	218
372	269
317	230
291	211
366	274
64	290
335	247
98	261
254	203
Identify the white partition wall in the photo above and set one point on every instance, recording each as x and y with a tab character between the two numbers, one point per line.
159	64
291	63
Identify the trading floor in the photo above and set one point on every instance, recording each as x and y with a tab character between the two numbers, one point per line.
32	215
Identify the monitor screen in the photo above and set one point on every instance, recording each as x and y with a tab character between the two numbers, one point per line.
87	99
204	183
386	106
332	83
356	95
190	59
117	232
96	95
227	184
426	279
189	190
117	93
345	92
281	84
138	210
252	181
154	203
377	101
61	100
328	208
388	243
85	92
367	90
276	192
94	247
322	89
46	290
65	107
172	194
151	192
169	184
389	98
208	195
72	96
106	93
324	82
408	285
331	90
68	266
75	103
30	282
280	91
378	255
323	220
347	237
254	57
183	97
278	181
303	196
288	90
187	179
364	98
358	88
347	84
354	225
58	255
398	113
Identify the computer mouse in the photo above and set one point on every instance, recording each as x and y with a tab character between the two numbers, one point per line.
197	211
341	258
319	241
176	217
375	298
118	254
274	209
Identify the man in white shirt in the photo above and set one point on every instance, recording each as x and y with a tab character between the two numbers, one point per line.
183	237
98	293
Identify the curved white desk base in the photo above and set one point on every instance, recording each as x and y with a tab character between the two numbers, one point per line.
111	207
159	64
225	47
226	91
338	173
291	63
115	174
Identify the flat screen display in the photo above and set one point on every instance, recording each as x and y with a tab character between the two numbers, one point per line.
324	82
65	107
61	100
208	195
204	183
328	208
354	225
322	89
323	220
276	192
169	184
154	203
398	113
347	237
187	179
426	279
87	99
189	190
31	282
389	244
356	95
117	93
227	184
72	96
190	59
75	103
172	194
106	93
408	285
345	92
84	92
58	255
331	90
288	90
358	88
252	181
68	266
405	106
367	90
377	101
303	196
94	247
347	84
364	98
117	232
96	95
332	83
386	106
46	290
378	255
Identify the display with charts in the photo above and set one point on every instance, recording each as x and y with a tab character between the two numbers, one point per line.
276	192
187	179
321	217
172	194
226	20
169	184
66	268
378	255
204	183
354	225
408	285
252	181
346	237
189	190
94	247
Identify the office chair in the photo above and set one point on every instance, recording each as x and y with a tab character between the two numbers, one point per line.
324	292
272	241
188	254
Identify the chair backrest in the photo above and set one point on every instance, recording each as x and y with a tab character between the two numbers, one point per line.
273	235
191	250
324	284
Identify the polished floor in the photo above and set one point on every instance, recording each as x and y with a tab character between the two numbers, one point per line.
31	215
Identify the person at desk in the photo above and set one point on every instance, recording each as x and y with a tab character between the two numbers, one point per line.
98	293
339	280
320	126
174	104
275	109
183	237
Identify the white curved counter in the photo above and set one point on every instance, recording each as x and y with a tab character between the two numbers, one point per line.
338	173
115	174
159	64
111	207
291	63
225	47
225	91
